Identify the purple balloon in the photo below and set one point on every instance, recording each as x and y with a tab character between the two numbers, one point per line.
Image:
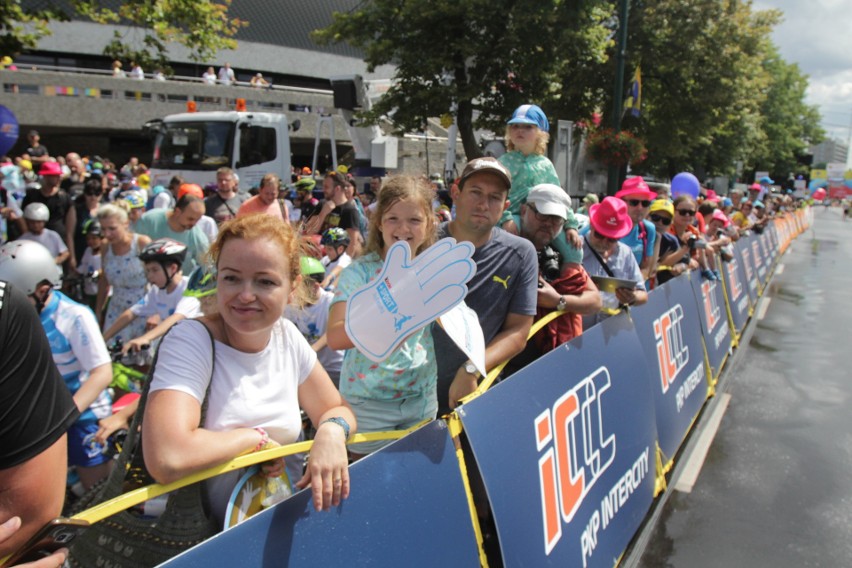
685	183
8	129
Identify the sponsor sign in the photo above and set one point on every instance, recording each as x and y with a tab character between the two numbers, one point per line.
407	507
714	320
573	473
742	248
668	330
737	288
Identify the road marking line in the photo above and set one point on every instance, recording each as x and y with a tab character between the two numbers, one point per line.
779	269
689	471
761	309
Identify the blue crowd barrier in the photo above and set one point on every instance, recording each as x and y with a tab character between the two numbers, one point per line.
571	450
674	353
408	507
573	473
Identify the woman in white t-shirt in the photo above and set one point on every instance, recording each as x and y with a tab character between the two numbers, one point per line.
264	370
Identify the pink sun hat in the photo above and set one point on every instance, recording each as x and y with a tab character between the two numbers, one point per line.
610	218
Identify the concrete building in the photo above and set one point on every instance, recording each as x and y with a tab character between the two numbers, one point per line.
65	88
831	150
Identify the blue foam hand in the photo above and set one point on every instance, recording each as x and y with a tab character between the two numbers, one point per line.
407	295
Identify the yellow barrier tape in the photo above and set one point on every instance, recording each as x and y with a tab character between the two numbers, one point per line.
660	483
142	494
456	428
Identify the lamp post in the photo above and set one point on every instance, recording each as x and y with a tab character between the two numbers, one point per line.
618	93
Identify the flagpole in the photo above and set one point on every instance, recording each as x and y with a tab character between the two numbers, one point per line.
618	94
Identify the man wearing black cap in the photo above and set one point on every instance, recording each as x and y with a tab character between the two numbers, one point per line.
503	291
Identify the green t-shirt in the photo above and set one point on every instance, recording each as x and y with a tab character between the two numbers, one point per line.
155	224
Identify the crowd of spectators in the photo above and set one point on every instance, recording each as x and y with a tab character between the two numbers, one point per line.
302	246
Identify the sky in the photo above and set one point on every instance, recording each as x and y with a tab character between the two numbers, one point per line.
817	34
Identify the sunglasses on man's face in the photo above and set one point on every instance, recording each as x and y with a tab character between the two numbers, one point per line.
659	219
636	202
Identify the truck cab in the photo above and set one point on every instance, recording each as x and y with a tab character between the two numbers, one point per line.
194	145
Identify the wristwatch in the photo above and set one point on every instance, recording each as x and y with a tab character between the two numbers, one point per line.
471	369
562	303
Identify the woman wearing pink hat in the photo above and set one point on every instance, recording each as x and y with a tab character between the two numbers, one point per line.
718	235
642	237
605	256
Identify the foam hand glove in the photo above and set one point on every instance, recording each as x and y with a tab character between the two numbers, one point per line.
407	295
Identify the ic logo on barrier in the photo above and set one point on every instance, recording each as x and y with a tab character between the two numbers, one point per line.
711	308
672	353
736	286
747	263
575	452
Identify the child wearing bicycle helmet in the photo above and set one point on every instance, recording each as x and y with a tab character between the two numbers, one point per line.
312	317
162	259
135	204
199	298
90	264
36	216
336	241
78	350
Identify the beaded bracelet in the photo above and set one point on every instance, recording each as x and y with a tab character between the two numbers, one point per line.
264	439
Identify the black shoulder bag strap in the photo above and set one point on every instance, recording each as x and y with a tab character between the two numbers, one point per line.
600	260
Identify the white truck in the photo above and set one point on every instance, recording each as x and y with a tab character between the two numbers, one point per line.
194	145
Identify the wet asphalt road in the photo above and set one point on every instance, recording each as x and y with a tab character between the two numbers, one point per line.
776	487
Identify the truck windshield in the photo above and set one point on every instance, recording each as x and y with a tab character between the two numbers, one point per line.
194	145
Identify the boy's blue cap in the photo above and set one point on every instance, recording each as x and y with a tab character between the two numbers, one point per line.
530	114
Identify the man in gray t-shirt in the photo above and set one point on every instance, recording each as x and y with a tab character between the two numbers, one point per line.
503	291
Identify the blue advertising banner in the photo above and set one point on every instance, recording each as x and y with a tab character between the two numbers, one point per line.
743	250
714	321
772	239
766	246
736	287
760	263
573	473
407	508
668	327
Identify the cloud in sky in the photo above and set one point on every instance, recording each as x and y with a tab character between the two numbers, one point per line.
817	34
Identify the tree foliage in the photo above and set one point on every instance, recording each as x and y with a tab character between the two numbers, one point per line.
715	91
202	26
485	57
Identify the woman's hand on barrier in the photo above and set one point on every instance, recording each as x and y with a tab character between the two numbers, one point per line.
328	467
272	468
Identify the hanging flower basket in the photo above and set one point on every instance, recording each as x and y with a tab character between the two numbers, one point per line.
619	149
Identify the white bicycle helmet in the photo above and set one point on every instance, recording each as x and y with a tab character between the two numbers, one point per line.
37	212
26	264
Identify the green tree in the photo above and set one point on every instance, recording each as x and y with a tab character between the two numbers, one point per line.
789	124
202	26
486	57
702	82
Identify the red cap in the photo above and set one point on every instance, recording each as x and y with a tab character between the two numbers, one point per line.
50	169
